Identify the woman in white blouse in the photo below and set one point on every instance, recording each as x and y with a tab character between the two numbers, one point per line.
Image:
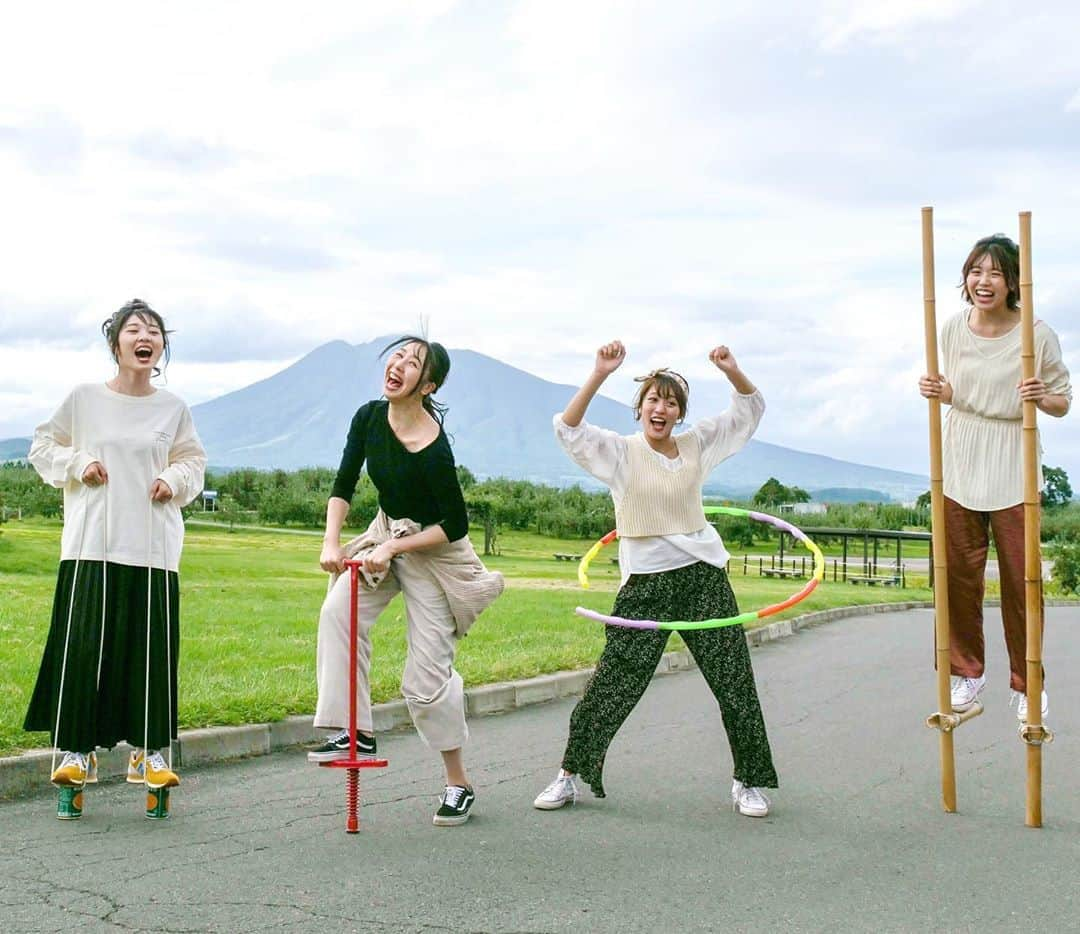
673	568
982	457
127	457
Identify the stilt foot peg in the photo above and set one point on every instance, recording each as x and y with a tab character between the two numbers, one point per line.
947	722
1035	734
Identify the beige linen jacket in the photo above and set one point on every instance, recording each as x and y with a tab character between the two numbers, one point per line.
470	587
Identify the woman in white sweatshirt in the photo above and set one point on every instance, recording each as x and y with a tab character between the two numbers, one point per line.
127	457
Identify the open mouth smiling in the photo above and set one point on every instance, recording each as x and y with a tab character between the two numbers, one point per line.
144	354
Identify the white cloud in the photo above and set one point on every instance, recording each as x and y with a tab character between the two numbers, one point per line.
843	21
535	179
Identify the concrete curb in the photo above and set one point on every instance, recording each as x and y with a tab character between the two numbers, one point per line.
29	773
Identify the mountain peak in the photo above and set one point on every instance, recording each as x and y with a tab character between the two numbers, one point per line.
499	419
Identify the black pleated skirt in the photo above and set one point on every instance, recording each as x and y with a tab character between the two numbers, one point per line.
94	668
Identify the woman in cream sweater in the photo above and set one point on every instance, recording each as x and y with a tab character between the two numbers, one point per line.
672	564
982	456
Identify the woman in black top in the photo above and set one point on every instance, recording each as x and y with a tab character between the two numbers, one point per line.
417	544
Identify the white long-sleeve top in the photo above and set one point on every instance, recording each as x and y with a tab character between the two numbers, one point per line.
138	439
982	437
603	454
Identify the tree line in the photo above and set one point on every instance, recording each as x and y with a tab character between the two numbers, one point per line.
298	498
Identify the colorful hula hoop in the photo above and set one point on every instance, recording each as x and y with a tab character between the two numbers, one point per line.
817	577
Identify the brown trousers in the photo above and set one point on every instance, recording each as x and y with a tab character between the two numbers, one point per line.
967	532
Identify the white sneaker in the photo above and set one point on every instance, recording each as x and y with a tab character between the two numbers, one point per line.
1022	705
559	792
751	802
965	691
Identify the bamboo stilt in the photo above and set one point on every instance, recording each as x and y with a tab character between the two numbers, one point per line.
1033	733
943	719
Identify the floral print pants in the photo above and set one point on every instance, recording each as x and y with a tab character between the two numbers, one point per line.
695	592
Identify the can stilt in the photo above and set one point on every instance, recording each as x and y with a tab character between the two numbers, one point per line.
69	803
157	803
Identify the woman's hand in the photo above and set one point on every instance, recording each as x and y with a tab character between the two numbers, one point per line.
377	561
161	492
332	559
609	358
1034	390
95	475
935	387
723	359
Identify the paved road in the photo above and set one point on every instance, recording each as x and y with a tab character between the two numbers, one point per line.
239	526
857	840
922	566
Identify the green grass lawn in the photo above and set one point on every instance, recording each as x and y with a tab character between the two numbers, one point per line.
250	604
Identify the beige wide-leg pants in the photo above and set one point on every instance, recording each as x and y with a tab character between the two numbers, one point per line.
433	690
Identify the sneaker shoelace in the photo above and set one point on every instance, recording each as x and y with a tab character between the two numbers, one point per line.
338	738
157	762
752	797
562	787
966	686
453	795
77	759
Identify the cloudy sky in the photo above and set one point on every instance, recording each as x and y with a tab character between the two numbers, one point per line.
532	179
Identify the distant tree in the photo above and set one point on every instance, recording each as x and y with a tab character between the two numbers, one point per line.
244	485
466	477
1066	567
923	502
1062	524
737	530
773	492
229	510
483	508
1057	491
43	500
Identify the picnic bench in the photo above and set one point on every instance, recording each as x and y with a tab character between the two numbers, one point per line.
564	556
872	581
782	572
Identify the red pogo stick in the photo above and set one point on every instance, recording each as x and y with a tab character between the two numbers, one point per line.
352	763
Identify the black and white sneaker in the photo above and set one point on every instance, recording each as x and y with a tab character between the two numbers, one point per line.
337	747
454	806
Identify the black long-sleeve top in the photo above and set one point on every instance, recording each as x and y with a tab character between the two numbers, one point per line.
421	485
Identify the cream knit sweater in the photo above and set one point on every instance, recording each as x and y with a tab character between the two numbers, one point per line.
982	452
658	501
606	455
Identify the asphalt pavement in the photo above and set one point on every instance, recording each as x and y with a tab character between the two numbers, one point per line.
856	841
